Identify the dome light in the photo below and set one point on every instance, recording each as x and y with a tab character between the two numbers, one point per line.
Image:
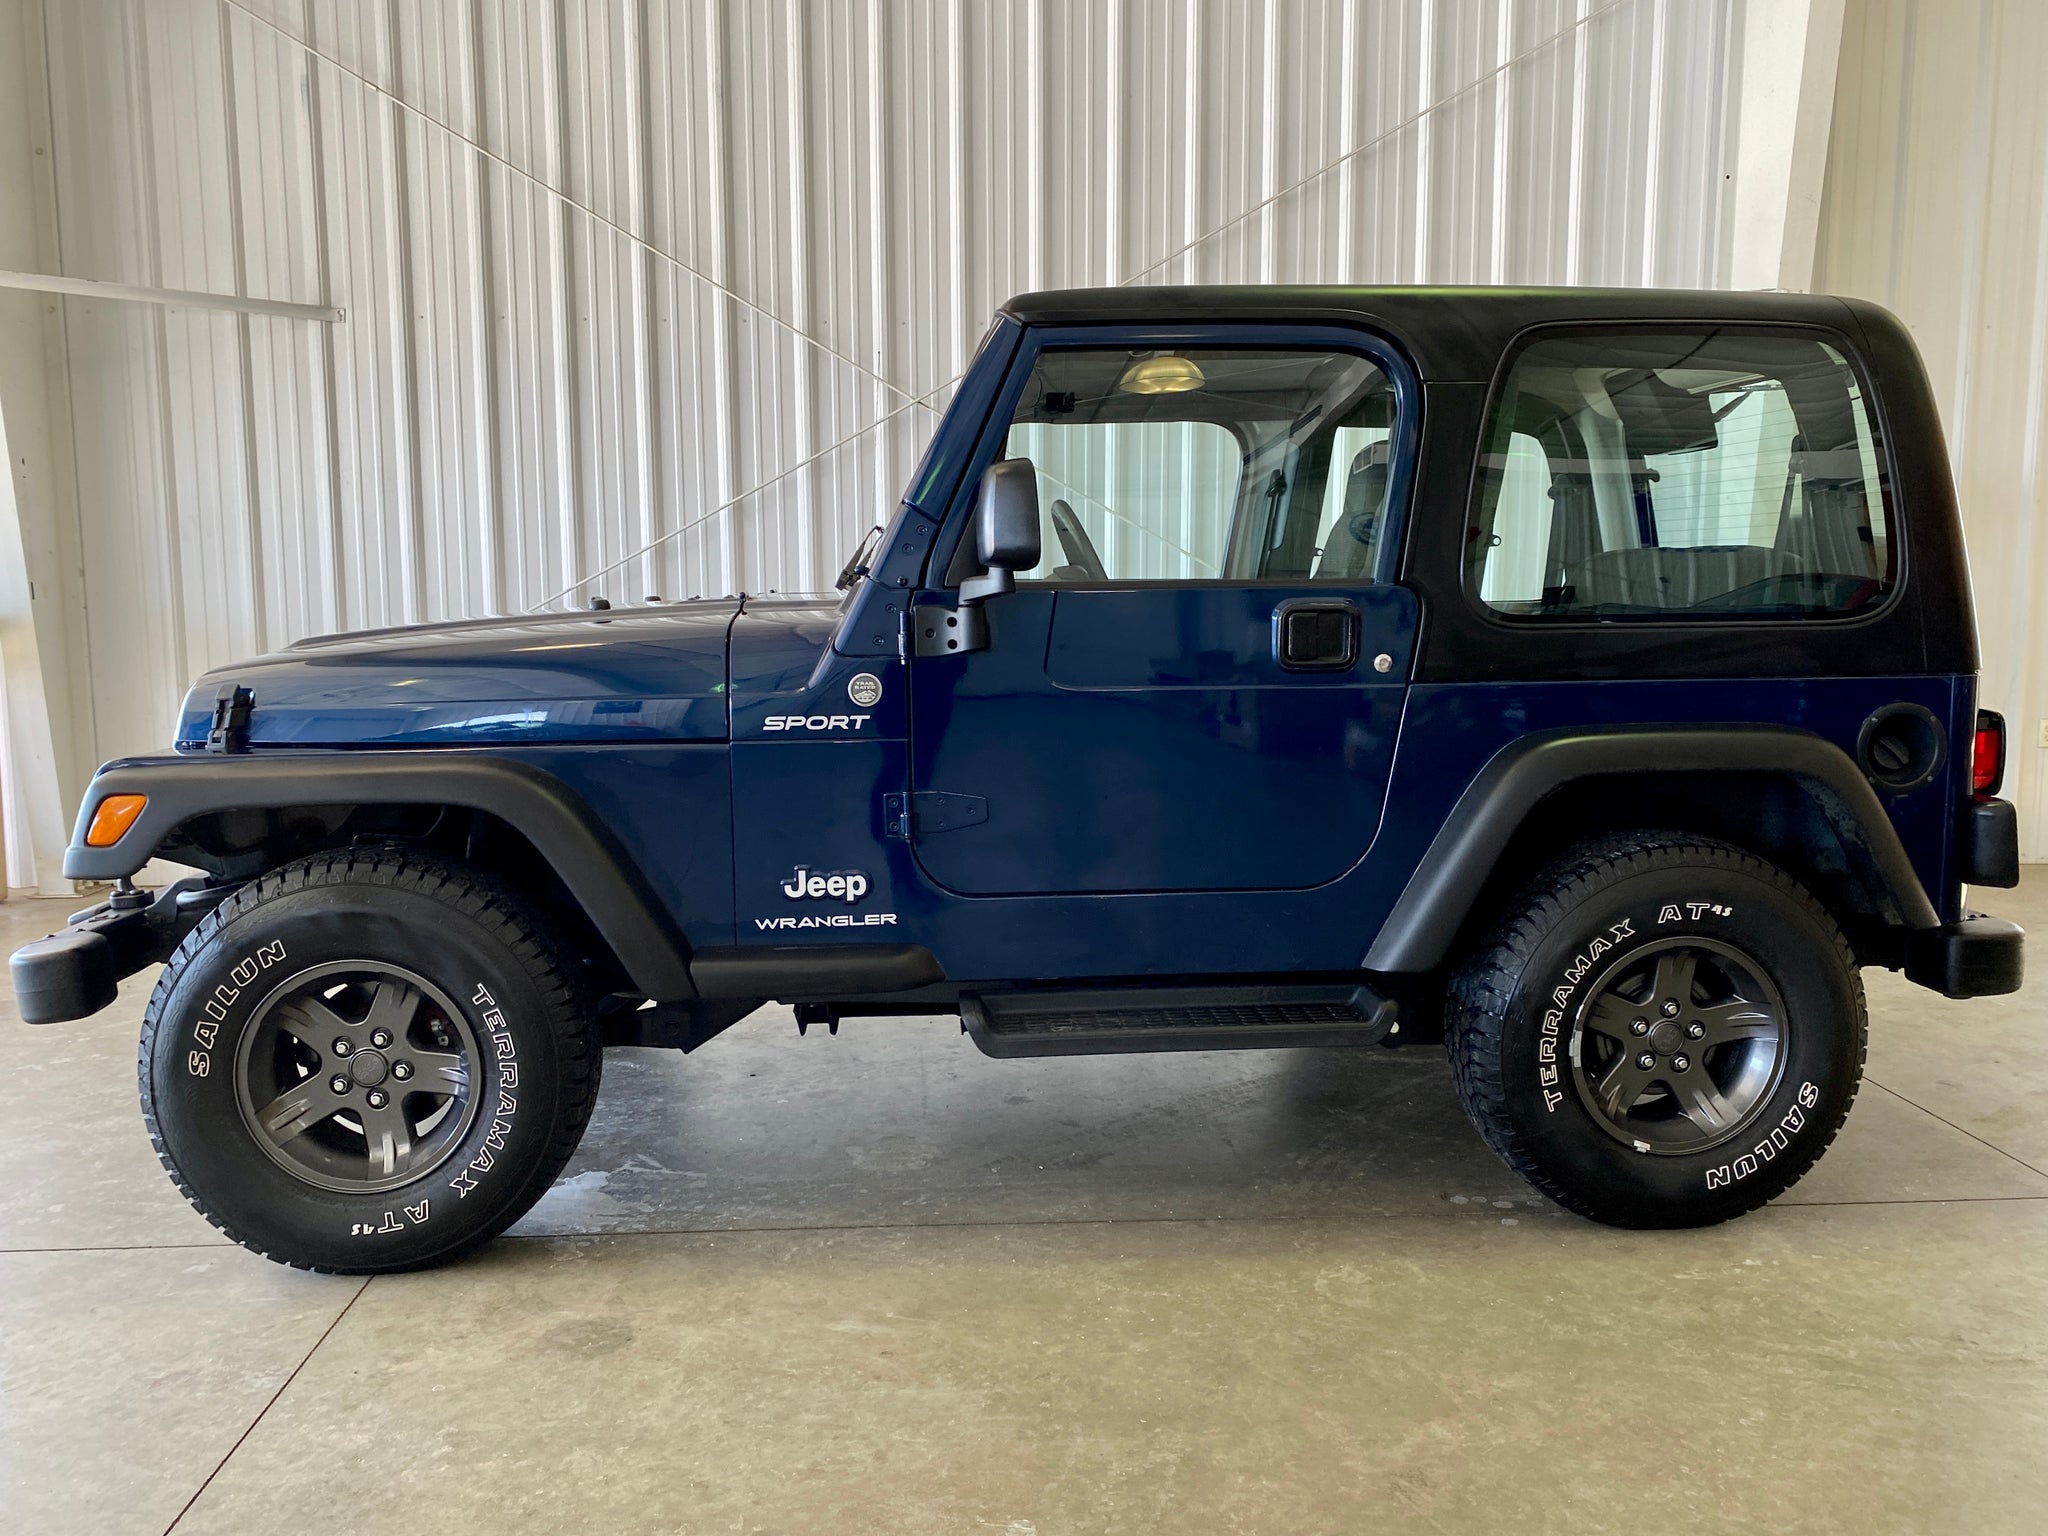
1162	373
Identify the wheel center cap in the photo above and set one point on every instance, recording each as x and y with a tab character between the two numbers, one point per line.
368	1068
1667	1037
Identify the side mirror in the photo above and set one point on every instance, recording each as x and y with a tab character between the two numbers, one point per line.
1005	529
1005	542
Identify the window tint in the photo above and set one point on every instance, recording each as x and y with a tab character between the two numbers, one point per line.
1716	473
1216	464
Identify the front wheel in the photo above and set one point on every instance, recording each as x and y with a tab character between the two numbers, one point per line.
1661	1031
367	1062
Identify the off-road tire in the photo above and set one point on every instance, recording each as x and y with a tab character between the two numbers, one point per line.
482	946
1517	1003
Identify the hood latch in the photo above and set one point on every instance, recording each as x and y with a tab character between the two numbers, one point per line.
230	729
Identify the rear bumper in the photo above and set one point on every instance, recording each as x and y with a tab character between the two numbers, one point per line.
1977	957
74	974
1991	844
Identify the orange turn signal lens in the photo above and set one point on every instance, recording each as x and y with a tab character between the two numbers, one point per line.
112	818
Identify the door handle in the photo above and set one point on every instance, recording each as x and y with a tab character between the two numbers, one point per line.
1316	634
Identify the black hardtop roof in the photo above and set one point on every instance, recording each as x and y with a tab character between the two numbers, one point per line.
1451	333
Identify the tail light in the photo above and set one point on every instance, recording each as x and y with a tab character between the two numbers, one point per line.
1987	762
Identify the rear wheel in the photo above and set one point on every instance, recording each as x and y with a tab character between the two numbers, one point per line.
367	1062
1660	1031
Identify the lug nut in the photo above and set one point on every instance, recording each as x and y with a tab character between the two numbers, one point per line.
1670	1006
1680	1063
401	1070
1695	1030
1639	1026
338	1083
1646	1061
380	1038
376	1098
342	1047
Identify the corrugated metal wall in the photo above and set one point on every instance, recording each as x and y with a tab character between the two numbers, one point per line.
1936	204
657	298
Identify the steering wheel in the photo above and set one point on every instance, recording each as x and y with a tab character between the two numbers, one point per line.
1075	543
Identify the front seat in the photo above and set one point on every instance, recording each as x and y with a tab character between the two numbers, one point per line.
1353	542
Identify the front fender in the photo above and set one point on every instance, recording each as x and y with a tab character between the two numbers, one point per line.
591	862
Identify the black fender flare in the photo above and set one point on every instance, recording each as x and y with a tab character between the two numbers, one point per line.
597	869
1433	906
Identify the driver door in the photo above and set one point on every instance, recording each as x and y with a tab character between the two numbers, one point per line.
1199	686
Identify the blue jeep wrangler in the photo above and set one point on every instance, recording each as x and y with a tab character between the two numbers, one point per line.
1585	680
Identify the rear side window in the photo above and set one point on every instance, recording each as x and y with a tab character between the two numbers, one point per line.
1681	474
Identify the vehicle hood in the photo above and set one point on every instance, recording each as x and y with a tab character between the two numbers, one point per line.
640	674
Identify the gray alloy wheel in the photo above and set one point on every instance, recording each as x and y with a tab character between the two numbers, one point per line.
357	1076
1679	1046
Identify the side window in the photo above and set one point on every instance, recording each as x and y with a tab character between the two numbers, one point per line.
1206	464
1713	473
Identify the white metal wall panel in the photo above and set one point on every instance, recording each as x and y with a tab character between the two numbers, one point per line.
665	298
1936	205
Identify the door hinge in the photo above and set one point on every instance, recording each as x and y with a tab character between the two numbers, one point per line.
926	811
936	630
230	729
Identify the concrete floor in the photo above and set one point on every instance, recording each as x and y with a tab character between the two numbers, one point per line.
879	1283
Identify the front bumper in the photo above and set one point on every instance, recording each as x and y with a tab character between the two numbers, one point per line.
73	974
1977	957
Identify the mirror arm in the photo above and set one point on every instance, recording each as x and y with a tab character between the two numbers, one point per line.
993	583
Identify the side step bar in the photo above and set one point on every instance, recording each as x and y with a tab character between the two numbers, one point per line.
1175	1019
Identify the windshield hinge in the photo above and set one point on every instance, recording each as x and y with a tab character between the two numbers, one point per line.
230	729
